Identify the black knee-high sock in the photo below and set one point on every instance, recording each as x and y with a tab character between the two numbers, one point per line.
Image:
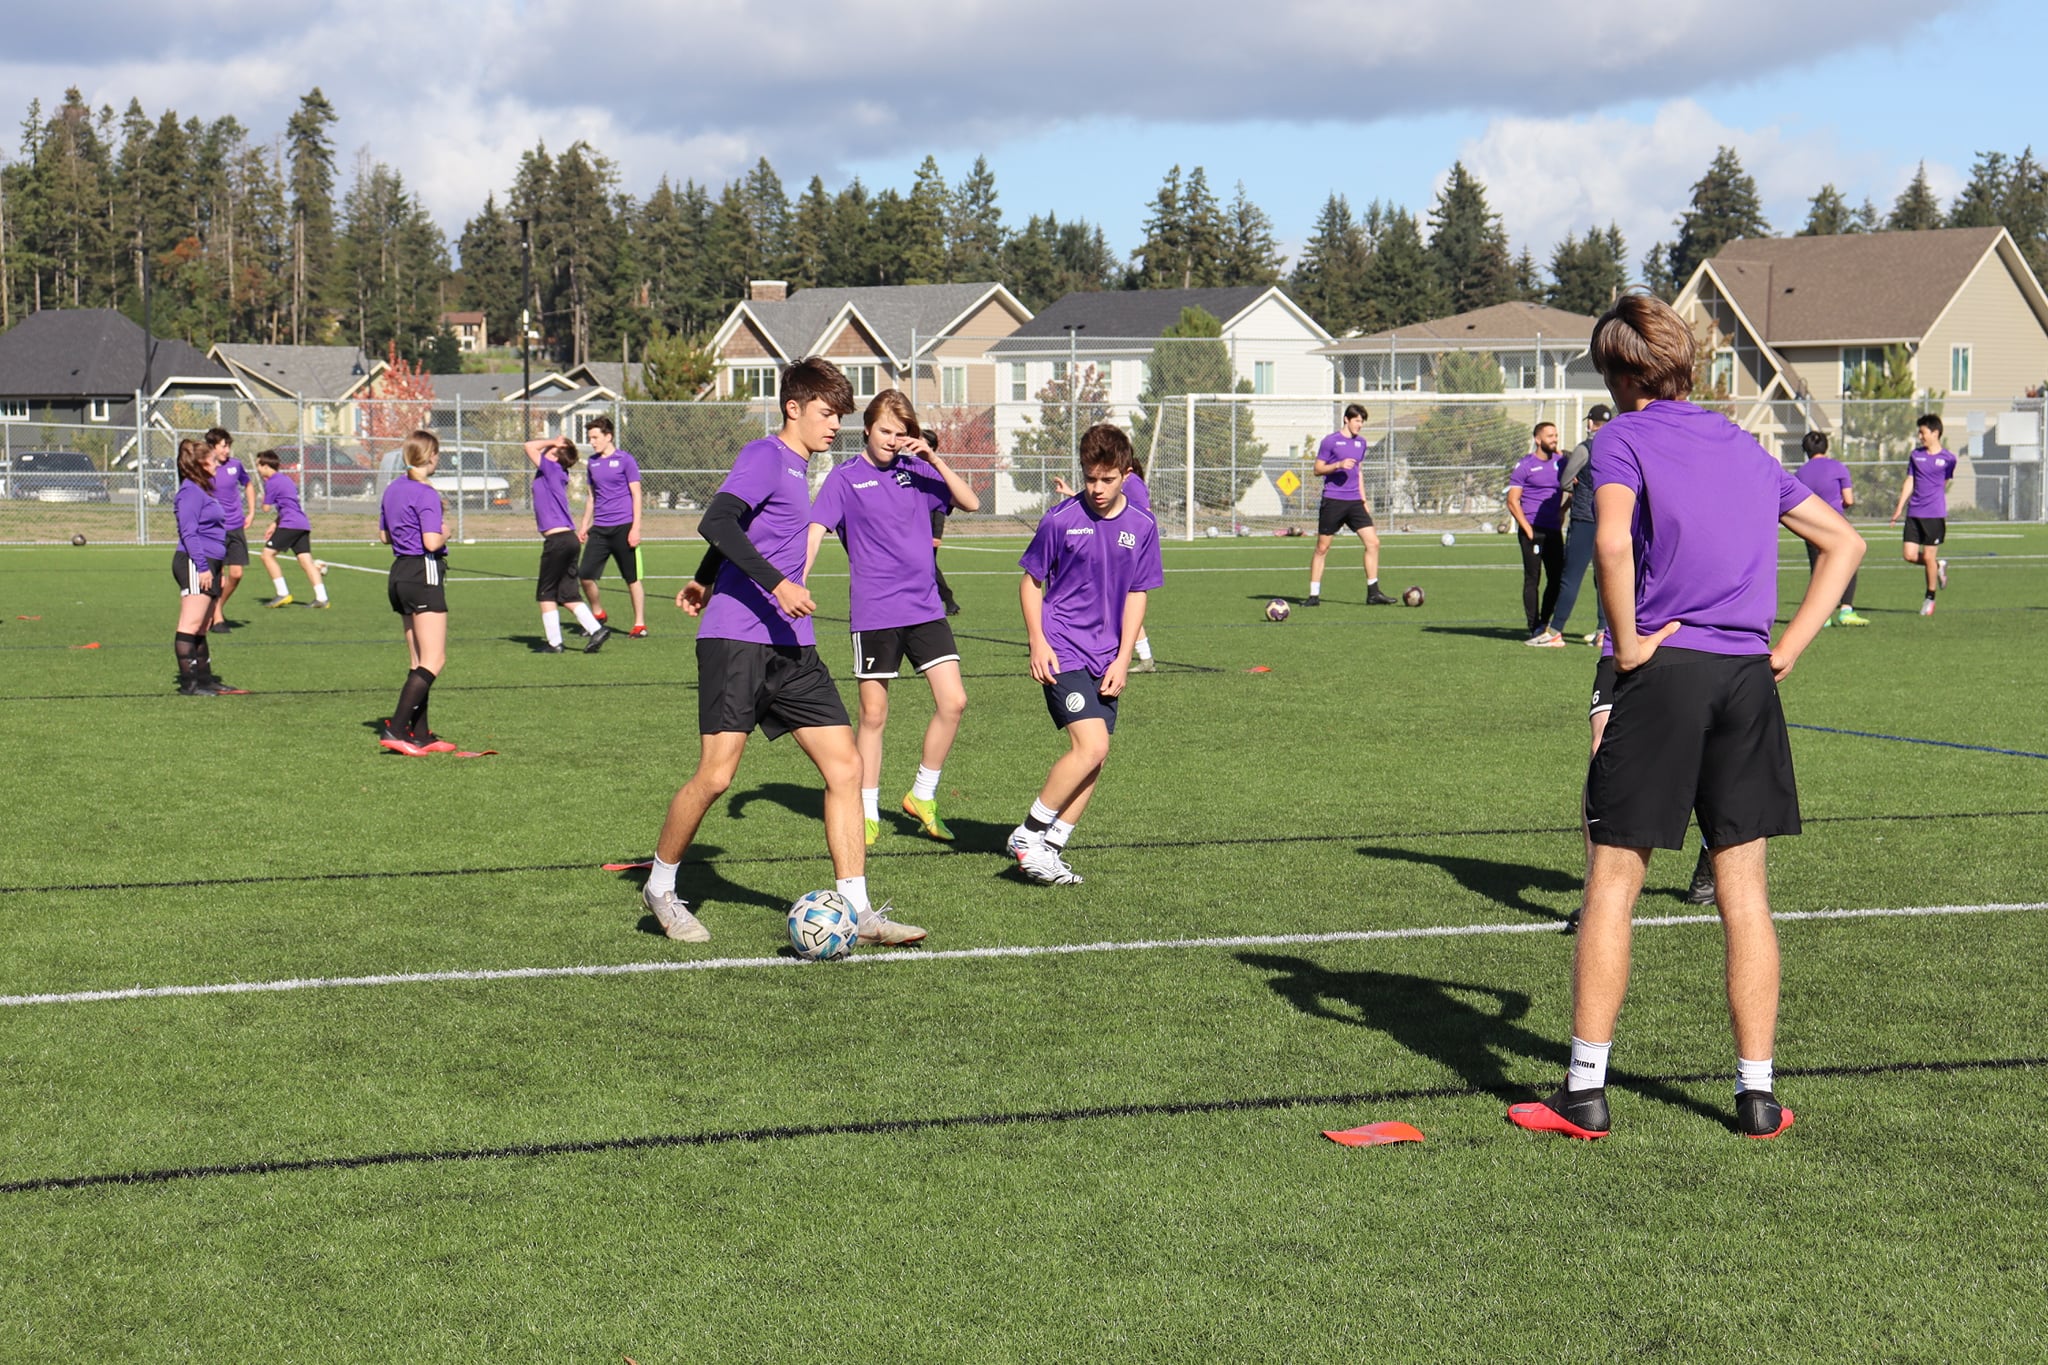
412	700
187	647
420	727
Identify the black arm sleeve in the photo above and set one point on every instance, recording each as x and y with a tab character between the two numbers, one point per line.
707	568
720	525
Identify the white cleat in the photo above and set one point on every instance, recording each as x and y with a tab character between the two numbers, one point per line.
675	917
1021	842
877	927
1043	863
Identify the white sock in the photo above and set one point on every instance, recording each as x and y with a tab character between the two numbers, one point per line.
871	802
319	592
282	590
1042	813
1144	647
926	786
1751	1075
1589	1065
855	889
584	618
551	625
1056	837
663	877
1315	587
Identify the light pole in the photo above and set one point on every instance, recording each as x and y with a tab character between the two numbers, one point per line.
1073	331
526	323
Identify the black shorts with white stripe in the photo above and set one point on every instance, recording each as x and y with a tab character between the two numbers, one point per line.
879	654
415	584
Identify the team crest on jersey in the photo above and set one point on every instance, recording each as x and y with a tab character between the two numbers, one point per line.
1127	539
1075	701
903	478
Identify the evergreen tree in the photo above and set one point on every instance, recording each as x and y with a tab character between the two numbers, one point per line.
1468	245
1724	207
809	226
1162	261
926	214
1828	214
850	240
1916	209
1528	280
975	231
1400	285
2024	210
1029	268
887	258
1191	357
390	263
1329	280
1204	231
1251	254
491	262
1982	201
674	368
311	157
1587	274
767	208
588	246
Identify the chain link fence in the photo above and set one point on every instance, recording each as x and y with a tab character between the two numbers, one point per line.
1216	460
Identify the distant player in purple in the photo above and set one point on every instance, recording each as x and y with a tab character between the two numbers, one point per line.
1829	479
1140	497
553	457
410	522
757	656
236	493
290	533
1688	508
1340	460
1536	502
880	505
195	565
611	522
1089	567
1923	501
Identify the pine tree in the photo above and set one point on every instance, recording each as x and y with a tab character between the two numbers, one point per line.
1191	357
926	213
1400	284
1528	280
1724	207
975	231
1468	245
1202	258
1329	279
2024	211
1828	214
1587	274
1251	254
312	187
1982	201
1162	261
1916	209
767	208
490	252
809	226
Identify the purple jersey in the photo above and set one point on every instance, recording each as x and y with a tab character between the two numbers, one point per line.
202	526
1344	485
551	496
774	482
1931	470
883	516
229	479
1542	499
611	488
1088	565
280	492
411	512
1828	479
1137	494
1708	500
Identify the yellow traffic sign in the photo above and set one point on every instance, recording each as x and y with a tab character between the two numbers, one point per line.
1288	482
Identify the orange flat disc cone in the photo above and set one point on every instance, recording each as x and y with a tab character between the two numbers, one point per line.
1376	1134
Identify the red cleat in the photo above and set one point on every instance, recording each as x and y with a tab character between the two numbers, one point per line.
1759	1115
637	633
397	743
434	744
1574	1113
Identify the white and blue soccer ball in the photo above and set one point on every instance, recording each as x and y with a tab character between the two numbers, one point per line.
822	927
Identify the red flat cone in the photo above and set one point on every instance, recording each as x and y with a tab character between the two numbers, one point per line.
28	618
1261	668
628	867
1376	1134
94	645
474	753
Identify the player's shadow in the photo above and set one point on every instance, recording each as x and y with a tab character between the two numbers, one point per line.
969	836
701	882
538	643
1470	1029
1503	883
1480	632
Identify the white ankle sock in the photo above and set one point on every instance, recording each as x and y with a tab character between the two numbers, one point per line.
584	618
1056	837
926	786
1589	1065
663	877
551	625
855	889
871	802
282	590
1043	813
320	592
1144	647
1750	1075
1315	587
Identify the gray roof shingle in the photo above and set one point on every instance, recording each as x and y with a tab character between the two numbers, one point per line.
797	324
90	353
1501	322
326	373
1866	286
1107	315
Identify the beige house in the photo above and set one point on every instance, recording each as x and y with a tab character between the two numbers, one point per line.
304	391
1538	349
930	340
1790	319
469	330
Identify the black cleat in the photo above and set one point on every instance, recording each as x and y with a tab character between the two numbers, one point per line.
1759	1115
1571	921
1701	892
550	649
1376	598
1575	1113
1311	601
597	641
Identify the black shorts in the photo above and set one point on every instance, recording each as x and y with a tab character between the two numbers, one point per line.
1076	695
187	574
238	548
416	586
1603	687
558	570
609	542
1693	732
1926	530
880	653
742	684
288	542
1342	514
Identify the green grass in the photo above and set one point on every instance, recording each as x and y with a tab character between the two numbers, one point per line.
1087	1156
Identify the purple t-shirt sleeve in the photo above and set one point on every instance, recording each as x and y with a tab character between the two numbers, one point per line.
631	467
753	477
1153	575
1791	492
1040	553
829	510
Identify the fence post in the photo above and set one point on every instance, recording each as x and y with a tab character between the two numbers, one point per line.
461	473
141	452
1190	517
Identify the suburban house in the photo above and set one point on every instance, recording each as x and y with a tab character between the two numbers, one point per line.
930	340
82	367
1538	349
562	401
1788	321
468	329
308	391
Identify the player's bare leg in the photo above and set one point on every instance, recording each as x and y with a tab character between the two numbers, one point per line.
831	747
312	568
867	739
1370	539
1600	963
1739	884
590	595
949	706
1074	775
1315	569
638	592
718	759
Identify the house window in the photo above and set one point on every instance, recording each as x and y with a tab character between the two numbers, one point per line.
953	385
1721	371
754	381
1102	374
1020	388
862	377
100	410
1855	358
12	411
1262	376
1518	371
1959	369
1059	372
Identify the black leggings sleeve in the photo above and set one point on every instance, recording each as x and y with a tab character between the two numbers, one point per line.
721	526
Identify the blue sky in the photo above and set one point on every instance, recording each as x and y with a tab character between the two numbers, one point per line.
1570	112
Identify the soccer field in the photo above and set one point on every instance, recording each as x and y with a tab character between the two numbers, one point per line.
309	1051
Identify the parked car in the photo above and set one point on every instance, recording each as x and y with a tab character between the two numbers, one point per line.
466	472
55	476
332	469
159	480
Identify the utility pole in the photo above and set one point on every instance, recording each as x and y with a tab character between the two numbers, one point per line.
526	323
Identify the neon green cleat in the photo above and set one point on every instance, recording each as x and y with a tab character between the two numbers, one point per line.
926	813
874	831
1848	616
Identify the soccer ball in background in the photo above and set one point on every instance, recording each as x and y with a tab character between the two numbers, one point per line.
1486	528
1414	597
1278	610
822	927
1449	539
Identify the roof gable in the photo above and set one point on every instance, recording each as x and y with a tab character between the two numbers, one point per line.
1129	313
893	314
91	353
1501	322
1859	287
326	373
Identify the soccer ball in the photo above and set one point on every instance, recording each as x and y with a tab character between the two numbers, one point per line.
1486	528
1213	533
1278	610
78	539
1414	597
1449	539
822	927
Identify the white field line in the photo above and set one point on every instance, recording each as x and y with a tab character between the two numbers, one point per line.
954	955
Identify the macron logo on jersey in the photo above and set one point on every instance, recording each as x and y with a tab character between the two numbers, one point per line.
1080	530
871	483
